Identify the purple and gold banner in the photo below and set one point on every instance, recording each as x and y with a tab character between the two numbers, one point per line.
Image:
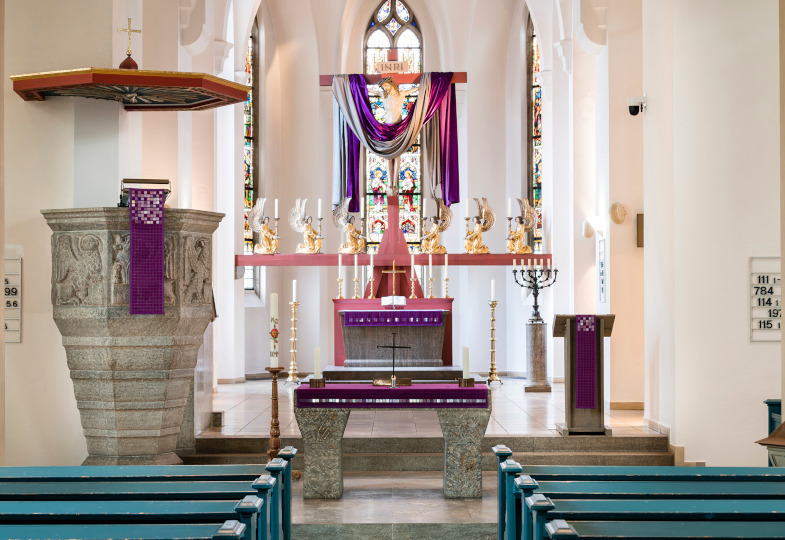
392	318
146	275
367	396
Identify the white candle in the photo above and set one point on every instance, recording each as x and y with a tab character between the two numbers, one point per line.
446	265
273	324
430	265
514	265
467	208
276	208
317	363
355	266
340	265
493	290
319	209
509	206
362	209
424	207
465	351
555	266
371	263
412	264
294	290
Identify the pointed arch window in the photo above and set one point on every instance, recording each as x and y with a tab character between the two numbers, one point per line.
250	153
534	129
393	33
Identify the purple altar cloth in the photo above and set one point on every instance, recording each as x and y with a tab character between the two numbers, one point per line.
367	396
146	274
585	361
392	318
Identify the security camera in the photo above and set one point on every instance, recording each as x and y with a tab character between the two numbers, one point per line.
636	104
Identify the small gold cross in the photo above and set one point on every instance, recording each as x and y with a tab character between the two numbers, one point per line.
393	272
129	30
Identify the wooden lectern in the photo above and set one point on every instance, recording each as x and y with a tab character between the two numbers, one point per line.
582	421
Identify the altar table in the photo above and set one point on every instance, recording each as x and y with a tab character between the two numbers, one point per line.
322	414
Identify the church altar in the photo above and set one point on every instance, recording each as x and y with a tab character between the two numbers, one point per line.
322	414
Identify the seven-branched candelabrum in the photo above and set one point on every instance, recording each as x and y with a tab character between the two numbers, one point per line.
535	278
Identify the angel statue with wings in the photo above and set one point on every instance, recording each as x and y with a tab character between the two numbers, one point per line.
268	239
302	223
355	241
483	222
439	223
516	240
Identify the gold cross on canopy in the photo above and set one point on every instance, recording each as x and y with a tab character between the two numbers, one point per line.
129	30
393	272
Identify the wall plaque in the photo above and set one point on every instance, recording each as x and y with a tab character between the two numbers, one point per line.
12	301
765	286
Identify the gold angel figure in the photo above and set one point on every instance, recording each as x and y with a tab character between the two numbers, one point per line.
355	241
482	222
516	240
438	224
268	239
302	223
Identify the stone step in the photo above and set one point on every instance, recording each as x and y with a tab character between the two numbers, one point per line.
389	531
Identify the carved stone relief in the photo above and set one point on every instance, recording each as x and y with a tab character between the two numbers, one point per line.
78	269
120	262
170	271
198	277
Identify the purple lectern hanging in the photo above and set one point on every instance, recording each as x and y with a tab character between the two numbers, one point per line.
586	361
146	276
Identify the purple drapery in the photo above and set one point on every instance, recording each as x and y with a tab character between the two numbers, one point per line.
392	318
146	272
367	396
442	100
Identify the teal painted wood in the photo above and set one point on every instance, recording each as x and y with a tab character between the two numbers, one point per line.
774	407
502	454
656	490
510	469
287	453
159	473
264	486
173	490
102	532
277	467
248	510
117	511
637	474
720	530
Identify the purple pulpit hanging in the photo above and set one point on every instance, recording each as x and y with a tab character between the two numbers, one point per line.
393	318
146	274
585	361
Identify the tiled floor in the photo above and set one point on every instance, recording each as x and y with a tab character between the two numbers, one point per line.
246	410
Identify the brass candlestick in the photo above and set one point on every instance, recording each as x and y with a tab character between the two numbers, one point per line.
319	245
356	288
276	235
492	376
446	287
340	291
293	362
412	285
372	295
275	429
431	288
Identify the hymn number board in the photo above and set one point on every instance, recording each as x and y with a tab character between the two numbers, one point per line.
766	299
12	289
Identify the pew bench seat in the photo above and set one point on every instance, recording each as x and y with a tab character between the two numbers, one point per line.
137	473
642	473
209	531
651	530
680	489
172	490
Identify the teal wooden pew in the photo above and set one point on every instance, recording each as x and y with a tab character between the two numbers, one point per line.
653	474
650	530
228	530
139	473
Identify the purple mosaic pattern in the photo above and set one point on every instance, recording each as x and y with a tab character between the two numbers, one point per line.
367	396
586	361
146	274
392	318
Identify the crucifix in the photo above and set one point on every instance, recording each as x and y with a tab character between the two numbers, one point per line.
393	272
393	347
129	30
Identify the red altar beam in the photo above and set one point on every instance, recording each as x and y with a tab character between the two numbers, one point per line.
399	78
331	259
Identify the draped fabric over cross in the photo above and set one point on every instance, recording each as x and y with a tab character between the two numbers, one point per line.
355	124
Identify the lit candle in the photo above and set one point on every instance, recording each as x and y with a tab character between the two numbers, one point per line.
509	206
355	266
446	265
273	324
319	209
493	290
294	290
276	208
430	265
317	363
465	351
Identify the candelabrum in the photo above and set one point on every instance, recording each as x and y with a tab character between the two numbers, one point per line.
446	287
535	278
493	378
340	289
275	429
293	378
356	288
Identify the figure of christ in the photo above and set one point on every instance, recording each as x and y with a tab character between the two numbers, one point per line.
473	242
516	241
392	99
430	242
311	241
355	242
268	241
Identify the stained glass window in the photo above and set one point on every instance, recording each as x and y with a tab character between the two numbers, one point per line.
535	131
393	30
248	155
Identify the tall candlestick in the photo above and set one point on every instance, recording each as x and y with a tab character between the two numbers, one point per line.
294	290
317	363
465	351
493	290
276	208
274	330
319	209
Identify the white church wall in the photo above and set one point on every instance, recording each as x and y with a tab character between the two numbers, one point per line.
2	238
720	378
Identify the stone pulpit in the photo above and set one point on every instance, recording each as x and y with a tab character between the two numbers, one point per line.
131	373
